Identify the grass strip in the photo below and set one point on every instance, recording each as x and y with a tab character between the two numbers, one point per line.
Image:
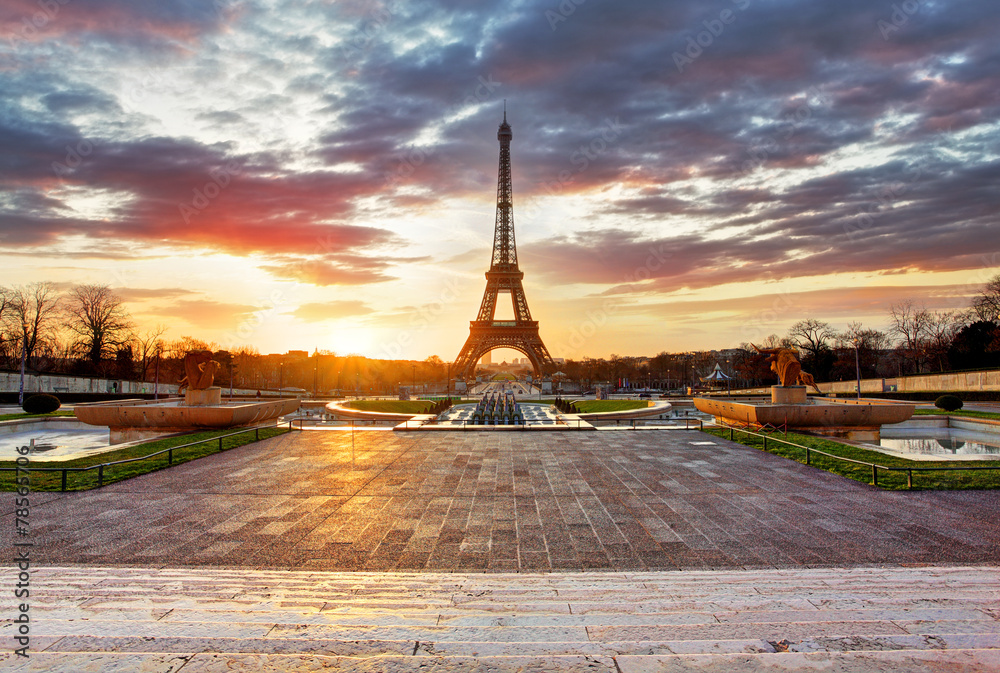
888	480
208	443
18	417
968	414
601	406
392	406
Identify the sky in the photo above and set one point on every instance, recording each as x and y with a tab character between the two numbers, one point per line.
687	175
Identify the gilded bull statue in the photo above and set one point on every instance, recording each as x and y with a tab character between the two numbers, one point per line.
785	363
199	371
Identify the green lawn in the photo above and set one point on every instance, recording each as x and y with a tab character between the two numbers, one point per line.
81	481
601	406
985	479
392	406
970	414
17	417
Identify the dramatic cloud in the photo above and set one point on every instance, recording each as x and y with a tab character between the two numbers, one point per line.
659	148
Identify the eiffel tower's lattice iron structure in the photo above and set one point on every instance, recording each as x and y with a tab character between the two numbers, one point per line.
485	332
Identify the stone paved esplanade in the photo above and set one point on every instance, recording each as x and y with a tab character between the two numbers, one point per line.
605	552
507	502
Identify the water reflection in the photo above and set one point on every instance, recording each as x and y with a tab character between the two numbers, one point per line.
944	442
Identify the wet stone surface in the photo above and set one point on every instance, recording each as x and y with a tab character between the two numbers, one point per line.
507	502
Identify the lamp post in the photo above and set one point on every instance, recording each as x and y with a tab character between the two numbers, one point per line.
857	364
729	380
281	377
24	357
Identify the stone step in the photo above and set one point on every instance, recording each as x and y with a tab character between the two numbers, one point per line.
920	619
923	661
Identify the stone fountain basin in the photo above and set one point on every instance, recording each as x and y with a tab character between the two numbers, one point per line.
175	415
824	415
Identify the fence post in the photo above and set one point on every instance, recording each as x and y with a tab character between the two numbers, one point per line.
64	481
909	479
874	474
730	433
808	456
256	434
100	475
170	456
765	441
220	443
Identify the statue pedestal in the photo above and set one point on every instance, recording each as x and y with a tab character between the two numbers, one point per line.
205	397
788	395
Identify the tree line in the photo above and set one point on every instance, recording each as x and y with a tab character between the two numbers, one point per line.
87	331
916	340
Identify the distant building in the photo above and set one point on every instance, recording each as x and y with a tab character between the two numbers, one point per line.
487	359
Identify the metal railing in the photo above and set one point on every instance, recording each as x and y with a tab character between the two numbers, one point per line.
465	424
170	456
875	467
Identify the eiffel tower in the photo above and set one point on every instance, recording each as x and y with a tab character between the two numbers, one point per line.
486	333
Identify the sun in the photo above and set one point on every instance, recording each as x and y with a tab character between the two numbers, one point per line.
352	340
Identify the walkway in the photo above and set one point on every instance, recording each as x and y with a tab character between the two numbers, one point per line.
507	502
674	551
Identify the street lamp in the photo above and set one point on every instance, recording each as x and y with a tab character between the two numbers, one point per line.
24	356
729	380
281	377
857	363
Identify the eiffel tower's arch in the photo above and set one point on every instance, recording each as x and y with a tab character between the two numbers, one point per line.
503	277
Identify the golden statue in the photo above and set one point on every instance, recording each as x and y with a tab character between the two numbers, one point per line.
199	371
785	363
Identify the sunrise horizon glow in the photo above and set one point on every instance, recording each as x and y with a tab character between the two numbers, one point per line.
323	176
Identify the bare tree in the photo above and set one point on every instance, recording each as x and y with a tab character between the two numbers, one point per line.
871	345
941	330
812	335
99	320
6	346
145	346
910	324
987	304
32	316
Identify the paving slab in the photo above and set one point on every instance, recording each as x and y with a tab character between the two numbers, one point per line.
500	502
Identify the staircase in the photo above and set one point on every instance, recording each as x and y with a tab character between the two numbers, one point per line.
199	620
